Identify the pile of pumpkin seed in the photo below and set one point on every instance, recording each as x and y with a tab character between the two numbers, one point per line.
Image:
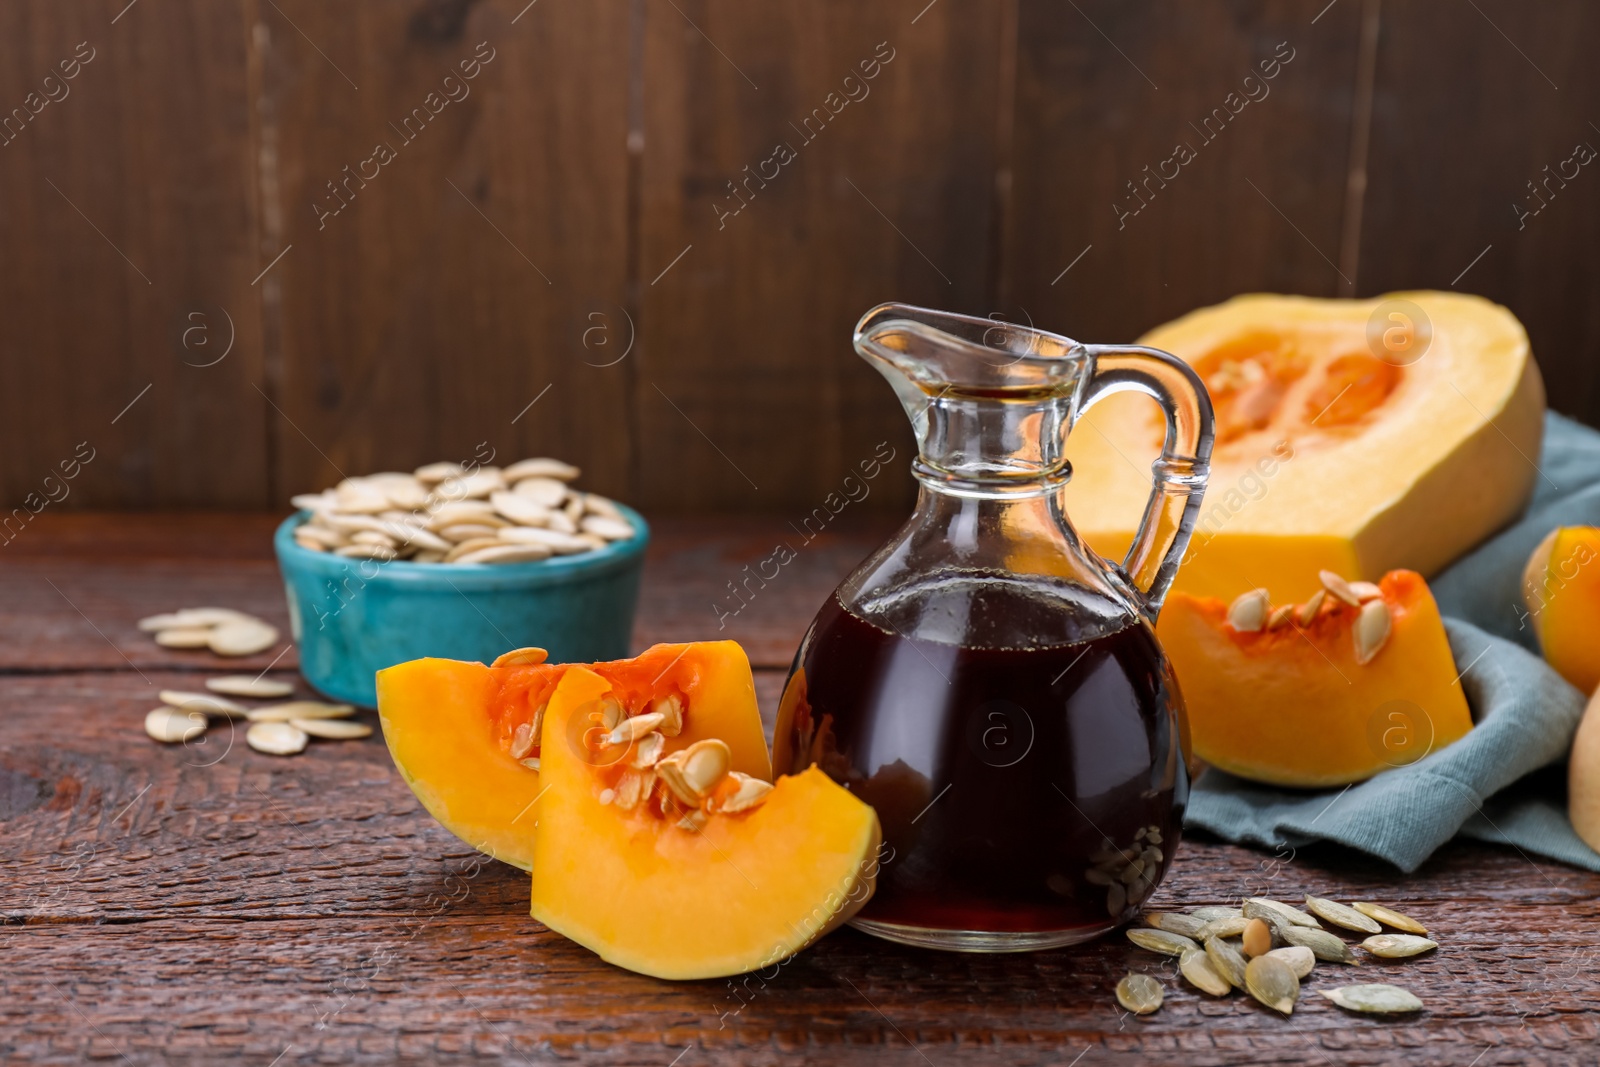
1265	947
282	729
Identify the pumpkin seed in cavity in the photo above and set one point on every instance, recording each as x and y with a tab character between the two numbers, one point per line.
1168	944
1228	926
1226	961
1173	923
1389	917
1323	945
1299	958
1139	993
1255	906
1398	946
1273	983
1330	911
1198	969
1257	938
1207	914
1377	998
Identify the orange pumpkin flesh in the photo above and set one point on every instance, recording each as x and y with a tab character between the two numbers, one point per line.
719	894
1292	706
1561	588
451	726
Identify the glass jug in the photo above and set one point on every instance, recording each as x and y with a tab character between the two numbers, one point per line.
990	686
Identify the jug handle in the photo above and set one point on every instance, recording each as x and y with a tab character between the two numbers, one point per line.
1179	473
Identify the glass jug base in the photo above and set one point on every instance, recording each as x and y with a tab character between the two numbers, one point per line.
981	940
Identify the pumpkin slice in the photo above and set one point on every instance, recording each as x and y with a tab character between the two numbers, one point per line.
1561	588
1357	436
658	861
467	738
1316	694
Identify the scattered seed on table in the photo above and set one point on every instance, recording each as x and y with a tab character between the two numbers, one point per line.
300	709
202	702
1209	913
1257	938
1300	959
171	725
1331	911
1139	993
243	685
1161	941
332	729
1398	946
1226	961
1323	945
242	637
188	637
276	738
1377	998
1226	926
1261	907
1273	983
1173	923
1198	969
1389	917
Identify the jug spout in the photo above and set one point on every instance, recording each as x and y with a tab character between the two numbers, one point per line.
990	402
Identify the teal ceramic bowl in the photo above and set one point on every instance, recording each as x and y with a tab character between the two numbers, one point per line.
353	617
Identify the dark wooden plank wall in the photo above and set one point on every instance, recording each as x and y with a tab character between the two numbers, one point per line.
561	233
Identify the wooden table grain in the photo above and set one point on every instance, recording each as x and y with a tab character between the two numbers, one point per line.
206	903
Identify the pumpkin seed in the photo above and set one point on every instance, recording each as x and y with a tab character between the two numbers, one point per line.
532	763
1371	630
705	763
1331	911
1227	926
243	685
1173	923
1365	591
276	738
1168	944
244	637
671	707
1226	961
595	504
694	821
1248	613
540	467
610	529
1308	611
299	709
633	788
1261	907
332	729
1257	938
1389	917
471	544
548	493
366	551
521	657
752	792
1378	998
1299	958
1273	983
1323	945
171	725
184	637
1398	946
648	751
521	740
204	703
1116	900
1209	913
1280	616
1139	993
483	530
631	729
434	473
1338	587
1197	968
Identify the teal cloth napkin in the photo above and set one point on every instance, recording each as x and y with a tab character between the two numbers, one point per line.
1505	781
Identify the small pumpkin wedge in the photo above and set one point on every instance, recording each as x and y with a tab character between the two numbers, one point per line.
655	857
467	738
1318	694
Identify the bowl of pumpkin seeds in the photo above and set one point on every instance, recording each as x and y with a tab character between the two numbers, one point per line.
460	561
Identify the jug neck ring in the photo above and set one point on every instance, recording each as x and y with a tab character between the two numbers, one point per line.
1001	487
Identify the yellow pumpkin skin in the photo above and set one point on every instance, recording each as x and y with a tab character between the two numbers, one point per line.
1293	707
1561	588
449	726
743	892
1333	452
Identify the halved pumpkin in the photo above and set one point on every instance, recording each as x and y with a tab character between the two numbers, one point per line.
468	738
656	859
1357	436
1314	694
1561	587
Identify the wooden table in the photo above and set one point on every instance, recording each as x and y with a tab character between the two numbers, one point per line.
170	904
